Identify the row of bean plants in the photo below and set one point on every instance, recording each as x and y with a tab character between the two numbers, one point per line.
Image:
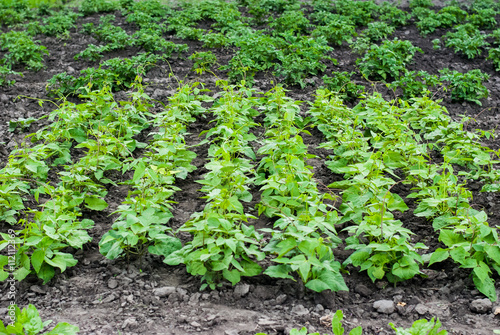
377	139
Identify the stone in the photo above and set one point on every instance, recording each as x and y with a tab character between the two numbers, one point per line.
4	98
363	290
319	308
195	324
481	305
384	306
421	309
241	290
130	322
37	289
195	298
281	299
300	310
163	291
231	332
112	283
266	322
109	299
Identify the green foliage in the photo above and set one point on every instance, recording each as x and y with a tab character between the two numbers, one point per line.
429	21
290	21
92	52
494	55
142	224
21	49
293	57
152	41
223	246
6	71
421	327
421	3
214	40
301	56
28	321
484	18
466	39
89	7
377	31
392	15
336	30
152	8
388	59
361	13
416	84
466	86
203	61
119	73
337	325
59	24
341	83
290	193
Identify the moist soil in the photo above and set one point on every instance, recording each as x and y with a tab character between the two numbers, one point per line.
146	296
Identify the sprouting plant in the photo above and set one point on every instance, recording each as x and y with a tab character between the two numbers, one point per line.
341	83
336	30
203	61
466	39
416	84
392	15
494	55
6	71
466	86
28	321
21	49
293	21
436	44
377	31
388	59
484	18
421	3
421	327
89	7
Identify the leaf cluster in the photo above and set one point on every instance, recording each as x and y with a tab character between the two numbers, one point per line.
22	49
28	321
466	86
388	59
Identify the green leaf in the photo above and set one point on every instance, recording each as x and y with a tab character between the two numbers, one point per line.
458	254
484	283
37	259
167	246
356	331
328	280
337	323
46	272
61	261
174	258
64	328
438	256
140	169
450	238
78	134
278	271
233	276
95	204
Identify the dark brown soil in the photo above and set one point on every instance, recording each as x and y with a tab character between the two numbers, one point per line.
113	297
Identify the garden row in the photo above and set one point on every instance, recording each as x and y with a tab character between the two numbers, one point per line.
289	26
86	142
